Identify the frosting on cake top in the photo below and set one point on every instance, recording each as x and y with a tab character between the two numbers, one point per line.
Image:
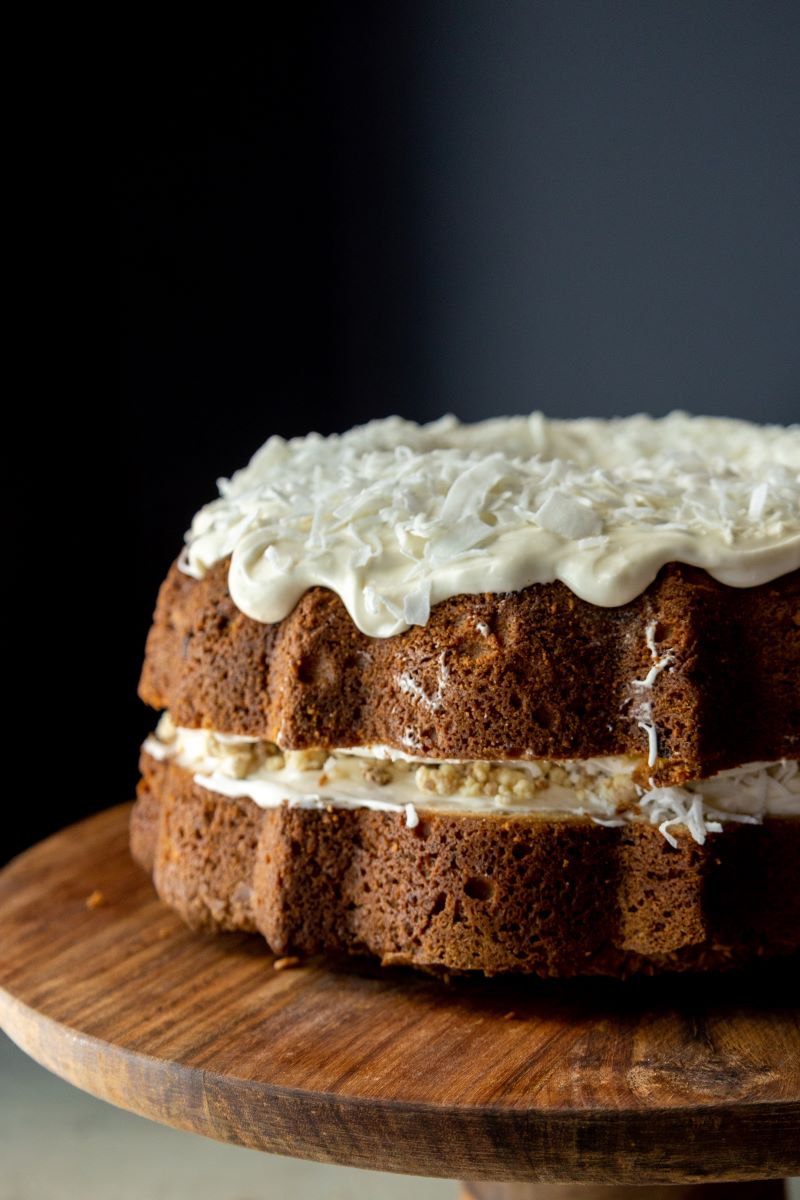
396	517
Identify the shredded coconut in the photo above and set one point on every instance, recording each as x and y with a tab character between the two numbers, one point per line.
407	683
643	711
652	741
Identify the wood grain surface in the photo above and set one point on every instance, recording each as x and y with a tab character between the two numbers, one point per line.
650	1081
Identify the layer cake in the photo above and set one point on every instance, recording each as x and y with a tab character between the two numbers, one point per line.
517	696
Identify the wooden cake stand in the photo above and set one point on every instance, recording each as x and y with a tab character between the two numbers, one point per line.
679	1081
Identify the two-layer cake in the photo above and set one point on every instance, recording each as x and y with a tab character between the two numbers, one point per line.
516	696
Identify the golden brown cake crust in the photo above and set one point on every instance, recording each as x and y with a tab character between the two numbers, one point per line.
551	676
533	894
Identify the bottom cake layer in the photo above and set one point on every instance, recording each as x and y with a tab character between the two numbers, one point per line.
530	893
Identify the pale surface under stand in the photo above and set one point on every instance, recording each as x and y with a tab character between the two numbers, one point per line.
590	1081
770	1189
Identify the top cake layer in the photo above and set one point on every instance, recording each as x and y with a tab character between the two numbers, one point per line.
396	517
692	677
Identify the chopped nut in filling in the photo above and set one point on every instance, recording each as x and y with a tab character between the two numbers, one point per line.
522	783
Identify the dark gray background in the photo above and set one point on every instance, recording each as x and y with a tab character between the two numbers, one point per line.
608	206
583	206
586	207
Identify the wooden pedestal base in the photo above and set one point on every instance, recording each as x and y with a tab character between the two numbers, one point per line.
768	1189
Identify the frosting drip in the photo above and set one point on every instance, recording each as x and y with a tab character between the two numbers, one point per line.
395	517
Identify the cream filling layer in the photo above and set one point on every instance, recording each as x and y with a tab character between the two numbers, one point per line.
386	780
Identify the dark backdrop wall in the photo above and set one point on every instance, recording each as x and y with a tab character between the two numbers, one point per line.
584	206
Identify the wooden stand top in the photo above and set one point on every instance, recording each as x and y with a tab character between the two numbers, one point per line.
655	1080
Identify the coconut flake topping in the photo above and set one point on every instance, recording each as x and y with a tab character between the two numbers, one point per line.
396	517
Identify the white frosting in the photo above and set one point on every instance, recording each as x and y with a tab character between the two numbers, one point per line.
746	794
396	517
